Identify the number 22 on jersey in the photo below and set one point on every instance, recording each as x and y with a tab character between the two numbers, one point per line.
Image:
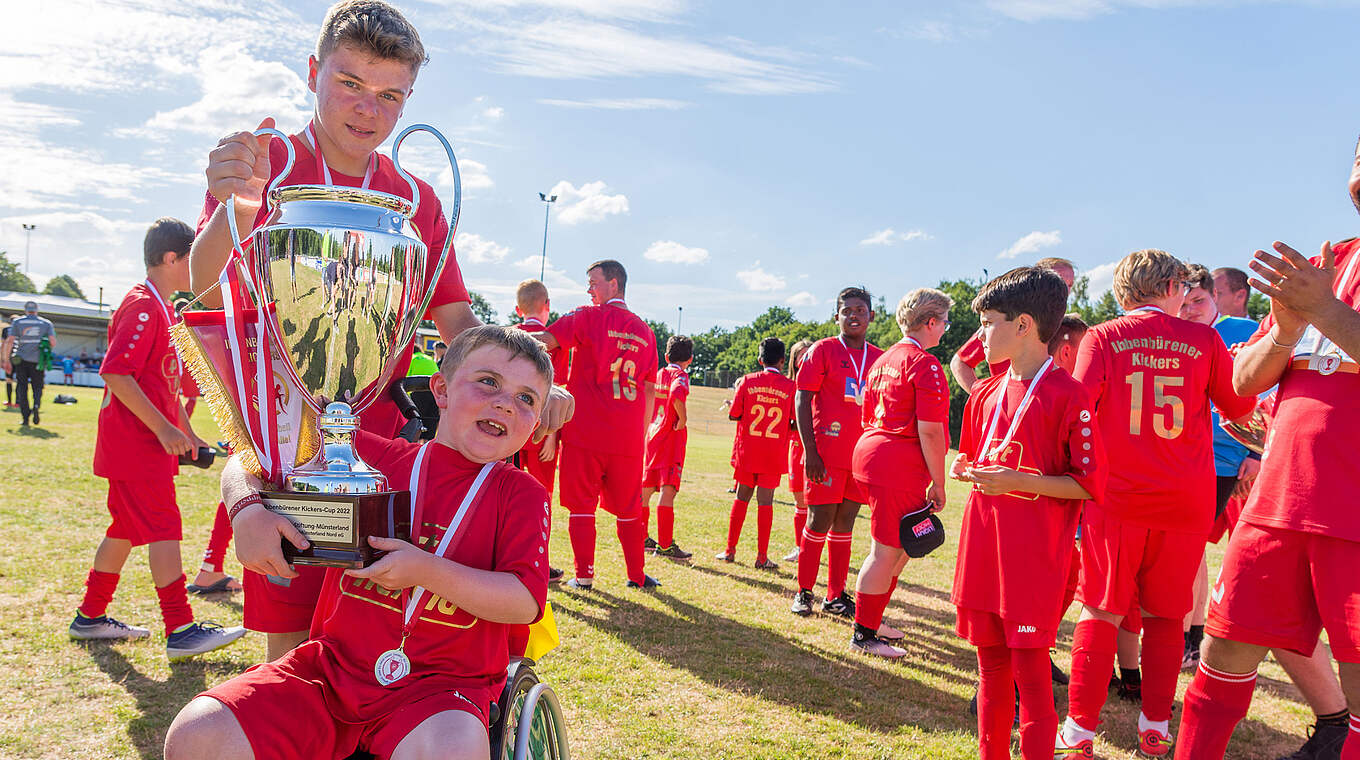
761	413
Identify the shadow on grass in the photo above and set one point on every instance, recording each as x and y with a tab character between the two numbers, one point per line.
740	658
157	701
35	432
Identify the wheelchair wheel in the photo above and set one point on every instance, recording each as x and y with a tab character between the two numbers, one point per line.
529	725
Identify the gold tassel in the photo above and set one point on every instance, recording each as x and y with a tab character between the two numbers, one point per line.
216	397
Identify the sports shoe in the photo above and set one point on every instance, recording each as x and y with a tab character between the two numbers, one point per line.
1059	677
649	544
1130	692
726	556
647	582
1153	743
865	641
802	603
555	574
888	633
104	628
765	564
1324	743
842	605
674	552
198	638
792	556
581	585
1190	660
1085	748
36	419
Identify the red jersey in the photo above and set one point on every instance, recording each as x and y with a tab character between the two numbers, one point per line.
762	405
836	376
505	530
559	355
139	346
905	386
1306	471
665	444
382	416
613	352
972	353
1151	377
1015	549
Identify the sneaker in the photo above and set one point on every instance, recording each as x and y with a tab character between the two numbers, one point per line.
765	563
1324	743
674	552
1085	748
581	585
1153	743
802	603
647	582
104	628
1190	660
1059	677
843	605
555	574
726	556
1130	692
649	544
792	556
199	638
888	633
37	420
868	643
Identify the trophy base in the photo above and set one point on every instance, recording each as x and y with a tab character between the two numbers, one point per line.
338	525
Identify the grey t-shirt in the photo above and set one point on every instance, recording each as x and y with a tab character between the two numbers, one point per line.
28	332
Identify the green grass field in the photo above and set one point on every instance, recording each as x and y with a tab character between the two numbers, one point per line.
712	665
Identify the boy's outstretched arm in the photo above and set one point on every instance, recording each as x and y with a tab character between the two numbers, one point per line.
995	480
496	597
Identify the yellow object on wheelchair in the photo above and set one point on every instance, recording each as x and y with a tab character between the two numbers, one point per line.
542	635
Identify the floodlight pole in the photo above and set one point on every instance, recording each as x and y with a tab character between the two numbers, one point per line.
548	200
28	240
680	314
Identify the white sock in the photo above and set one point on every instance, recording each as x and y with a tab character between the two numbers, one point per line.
1162	726
1073	734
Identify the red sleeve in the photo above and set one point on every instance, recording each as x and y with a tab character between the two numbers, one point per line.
932	392
680	388
812	372
384	454
1230	405
738	400
1090	369
1085	452
522	533
210	205
566	330
1262	329
129	350
972	352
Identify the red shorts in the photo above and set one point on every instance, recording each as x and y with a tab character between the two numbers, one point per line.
839	486
988	629
887	508
757	479
797	478
271	608
294	686
663	476
1281	588
1121	562
143	511
590	478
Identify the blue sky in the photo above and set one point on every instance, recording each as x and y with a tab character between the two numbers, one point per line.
733	155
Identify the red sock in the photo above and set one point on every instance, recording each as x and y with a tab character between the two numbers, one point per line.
764	522
1163	650
1214	704
734	521
665	525
837	563
1351	749
218	540
581	530
175	608
996	703
799	523
1093	652
810	558
869	608
631	534
99	588
646	520
1038	716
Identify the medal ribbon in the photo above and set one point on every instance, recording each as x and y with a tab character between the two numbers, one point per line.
165	309
618	301
913	341
533	321
859	367
988	453
1323	341
325	172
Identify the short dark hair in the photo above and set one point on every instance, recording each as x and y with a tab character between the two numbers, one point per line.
1035	291
771	351
679	348
1199	277
1237	279
611	270
514	340
853	292
1071	329
166	234
373	27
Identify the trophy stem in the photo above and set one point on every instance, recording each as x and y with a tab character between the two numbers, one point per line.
339	469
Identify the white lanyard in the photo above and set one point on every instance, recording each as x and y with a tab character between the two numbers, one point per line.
1157	309
772	369
988	453
913	341
310	134
1322	341
164	308
532	321
863	360
618	301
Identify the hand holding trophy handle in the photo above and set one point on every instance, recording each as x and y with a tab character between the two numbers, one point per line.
236	239
417	309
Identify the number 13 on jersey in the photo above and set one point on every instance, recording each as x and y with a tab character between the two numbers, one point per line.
623	375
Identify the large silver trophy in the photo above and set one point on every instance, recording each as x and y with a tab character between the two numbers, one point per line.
314	320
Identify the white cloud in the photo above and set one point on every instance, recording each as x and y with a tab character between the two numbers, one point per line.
1076	10
626	9
671	252
494	112
476	249
588	203
890	236
801	298
1031	243
757	279
619	104
1100	279
237	90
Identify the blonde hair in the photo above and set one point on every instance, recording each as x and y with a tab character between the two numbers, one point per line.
1050	262
374	27
530	295
920	306
1145	276
795	355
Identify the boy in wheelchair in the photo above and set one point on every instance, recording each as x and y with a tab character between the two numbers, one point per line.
407	654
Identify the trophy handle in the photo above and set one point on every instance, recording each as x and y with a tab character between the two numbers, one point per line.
413	317
236	239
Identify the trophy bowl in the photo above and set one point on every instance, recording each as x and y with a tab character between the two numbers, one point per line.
1255	431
